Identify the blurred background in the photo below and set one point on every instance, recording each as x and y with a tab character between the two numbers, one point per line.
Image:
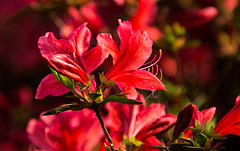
199	40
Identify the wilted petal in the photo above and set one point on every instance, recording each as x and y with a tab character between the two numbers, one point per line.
50	86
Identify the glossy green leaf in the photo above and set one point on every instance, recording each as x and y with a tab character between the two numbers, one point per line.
105	146
118	99
63	79
66	107
161	147
201	139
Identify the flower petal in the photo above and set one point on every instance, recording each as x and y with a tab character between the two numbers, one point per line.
35	131
124	31
184	119
106	41
134	55
153	120
140	79
95	57
207	115
50	85
64	65
80	40
230	121
48	44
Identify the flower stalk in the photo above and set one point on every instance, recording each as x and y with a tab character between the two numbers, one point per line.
99	116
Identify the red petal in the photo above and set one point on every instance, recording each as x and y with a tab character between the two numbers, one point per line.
208	114
134	55
124	31
50	86
64	65
152	120
230	121
184	119
105	41
80	40
197	17
95	57
140	79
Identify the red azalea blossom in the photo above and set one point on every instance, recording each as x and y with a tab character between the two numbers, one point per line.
147	10
138	121
71	130
86	13
202	117
134	51
196	17
188	116
69	57
230	123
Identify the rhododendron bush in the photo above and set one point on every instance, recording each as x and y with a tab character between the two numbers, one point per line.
119	75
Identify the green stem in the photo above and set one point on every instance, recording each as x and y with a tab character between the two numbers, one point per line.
99	116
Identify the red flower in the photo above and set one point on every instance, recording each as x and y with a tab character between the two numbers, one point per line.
202	117
134	51
145	15
187	118
86	13
196	17
70	130
138	121
230	123
71	57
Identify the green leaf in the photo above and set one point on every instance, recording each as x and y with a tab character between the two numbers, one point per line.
118	99
190	148
161	147
105	146
63	79
66	107
109	83
72	97
191	143
201	139
55	73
